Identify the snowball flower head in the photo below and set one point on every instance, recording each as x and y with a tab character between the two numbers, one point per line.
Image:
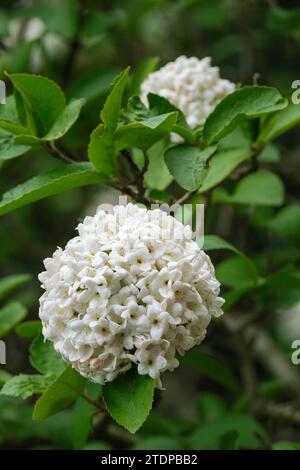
190	84
131	288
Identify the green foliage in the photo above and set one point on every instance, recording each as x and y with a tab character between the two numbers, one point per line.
9	283
10	316
43	357
189	165
129	399
269	190
59	394
24	386
53	182
252	102
101	149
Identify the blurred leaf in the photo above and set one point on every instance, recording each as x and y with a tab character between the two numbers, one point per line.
210	407
261	188
10	283
61	393
92	84
28	329
158	443
214	242
24	386
229	441
249	101
97	445
41	100
286	445
44	358
286	223
269	154
212	368
145	67
235	272
55	181
4	377
129	399
59	17
284	20
10	315
222	164
211	435
144	134
189	165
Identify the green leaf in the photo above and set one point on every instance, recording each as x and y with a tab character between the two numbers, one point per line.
160	105
129	399
55	181
189	165
101	150
10	149
10	315
279	123
10	283
44	358
28	329
60	127
212	368
260	188
222	164
13	127
214	242
65	120
24	386
39	101
249	101
144	134
157	175
60	394
110	112
82	414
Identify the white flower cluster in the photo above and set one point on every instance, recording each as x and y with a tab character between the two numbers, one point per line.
132	287
190	84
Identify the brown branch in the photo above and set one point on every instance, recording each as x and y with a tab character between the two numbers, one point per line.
286	412
57	152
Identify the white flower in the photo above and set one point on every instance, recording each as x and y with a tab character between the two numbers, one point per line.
190	84
120	293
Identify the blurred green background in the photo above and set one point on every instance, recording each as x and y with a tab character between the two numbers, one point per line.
82	46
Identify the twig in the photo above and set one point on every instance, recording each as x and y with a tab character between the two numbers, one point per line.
56	152
285	412
101	408
185	197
